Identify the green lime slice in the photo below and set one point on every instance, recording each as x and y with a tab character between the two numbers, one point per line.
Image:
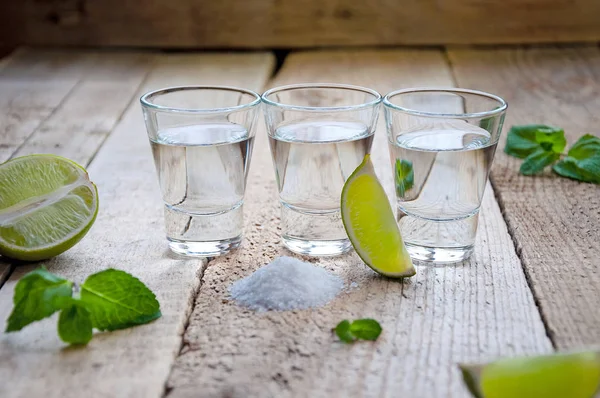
47	204
572	375
371	225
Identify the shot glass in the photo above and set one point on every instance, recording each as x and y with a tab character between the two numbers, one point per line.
442	143
201	138
318	134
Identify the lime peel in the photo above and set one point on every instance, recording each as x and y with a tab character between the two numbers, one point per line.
576	374
371	226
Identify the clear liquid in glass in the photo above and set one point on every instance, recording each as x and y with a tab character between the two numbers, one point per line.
202	173
440	174
312	161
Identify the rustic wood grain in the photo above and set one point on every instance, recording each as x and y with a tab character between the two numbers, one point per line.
33	84
476	310
554	221
64	102
294	24
79	126
128	235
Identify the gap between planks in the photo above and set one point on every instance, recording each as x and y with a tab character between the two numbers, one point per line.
477	310
137	361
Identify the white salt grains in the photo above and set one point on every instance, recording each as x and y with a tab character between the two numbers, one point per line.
286	284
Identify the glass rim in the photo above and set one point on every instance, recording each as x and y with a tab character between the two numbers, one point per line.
298	86
492	112
145	99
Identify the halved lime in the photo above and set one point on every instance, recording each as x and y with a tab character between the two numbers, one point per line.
371	225
562	375
47	204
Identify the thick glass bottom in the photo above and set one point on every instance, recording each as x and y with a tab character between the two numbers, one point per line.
317	247
315	232
438	241
204	249
439	255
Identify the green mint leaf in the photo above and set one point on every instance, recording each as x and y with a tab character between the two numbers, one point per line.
365	329
343	331
537	161
522	141
583	160
117	300
551	139
405	176
75	323
36	297
585	147
361	329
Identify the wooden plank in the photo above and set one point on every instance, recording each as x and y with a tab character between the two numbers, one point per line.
472	311
301	23
64	103
78	127
32	85
128	235
554	221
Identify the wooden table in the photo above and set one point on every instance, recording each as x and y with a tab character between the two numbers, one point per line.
533	284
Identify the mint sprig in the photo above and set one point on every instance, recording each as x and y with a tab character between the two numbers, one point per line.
117	300
582	161
36	297
75	323
108	300
361	329
542	146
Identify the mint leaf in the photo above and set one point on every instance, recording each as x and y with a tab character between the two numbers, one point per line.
537	161
343	331
365	329
585	147
361	329
117	300
522	141
74	323
405	176
551	139
583	160
36	297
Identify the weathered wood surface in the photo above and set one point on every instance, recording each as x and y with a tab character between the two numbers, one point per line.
473	311
80	125
128	234
294	24
554	221
63	102
33	85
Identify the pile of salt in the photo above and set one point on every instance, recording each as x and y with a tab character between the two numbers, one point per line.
286	284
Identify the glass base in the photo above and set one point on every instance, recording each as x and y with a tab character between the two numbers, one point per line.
317	247
439	255
204	249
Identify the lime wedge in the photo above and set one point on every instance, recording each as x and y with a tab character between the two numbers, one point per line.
371	225
572	375
47	204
